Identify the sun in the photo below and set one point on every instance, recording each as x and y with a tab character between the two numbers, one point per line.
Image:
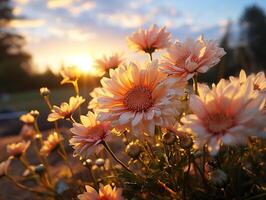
83	62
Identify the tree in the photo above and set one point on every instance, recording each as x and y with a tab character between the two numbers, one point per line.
13	59
253	23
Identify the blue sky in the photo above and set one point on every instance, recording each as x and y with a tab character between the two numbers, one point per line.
64	31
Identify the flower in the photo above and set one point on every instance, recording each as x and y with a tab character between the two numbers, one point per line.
149	40
139	98
226	114
27	118
27	132
66	109
105	63
50	144
88	134
105	192
4	167
17	149
183	60
94	104
70	74
44	91
258	80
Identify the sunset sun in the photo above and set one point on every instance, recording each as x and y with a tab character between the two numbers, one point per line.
83	62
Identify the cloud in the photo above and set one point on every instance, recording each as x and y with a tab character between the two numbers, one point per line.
21	2
53	4
27	23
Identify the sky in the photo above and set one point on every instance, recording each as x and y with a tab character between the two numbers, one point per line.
79	31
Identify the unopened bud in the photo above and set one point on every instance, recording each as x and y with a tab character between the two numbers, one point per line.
218	177
89	162
186	141
44	91
40	169
169	138
35	113
134	149
99	162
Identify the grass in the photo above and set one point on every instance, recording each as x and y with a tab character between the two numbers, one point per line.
26	101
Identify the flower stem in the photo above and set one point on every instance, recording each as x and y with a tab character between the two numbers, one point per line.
195	84
63	154
24	187
173	193
114	156
150	56
26	164
76	87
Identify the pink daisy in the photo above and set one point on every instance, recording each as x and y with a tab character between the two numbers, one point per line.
226	114
139	98
150	39
89	134
183	60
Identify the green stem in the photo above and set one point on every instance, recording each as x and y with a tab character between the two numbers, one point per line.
114	156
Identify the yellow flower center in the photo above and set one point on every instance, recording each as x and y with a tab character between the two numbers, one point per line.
138	99
219	123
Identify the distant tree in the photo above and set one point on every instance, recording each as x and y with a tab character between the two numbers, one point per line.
253	23
14	61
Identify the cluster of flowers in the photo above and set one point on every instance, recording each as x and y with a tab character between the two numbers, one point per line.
152	101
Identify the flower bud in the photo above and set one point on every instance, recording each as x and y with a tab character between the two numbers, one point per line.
35	113
89	162
218	177
186	141
44	91
169	138
134	149
39	169
99	162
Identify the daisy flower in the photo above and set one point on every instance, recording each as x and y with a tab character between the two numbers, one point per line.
17	149
105	192
150	39
4	167
258	80
70	74
97	92
105	63
27	118
88	134
226	114
139	98
50	144
66	109
185	59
